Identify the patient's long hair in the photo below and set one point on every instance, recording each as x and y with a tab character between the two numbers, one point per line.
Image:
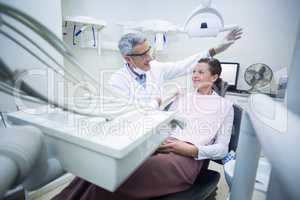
214	68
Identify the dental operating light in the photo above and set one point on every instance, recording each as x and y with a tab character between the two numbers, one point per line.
205	21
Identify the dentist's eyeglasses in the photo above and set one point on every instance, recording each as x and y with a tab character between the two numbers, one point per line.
148	53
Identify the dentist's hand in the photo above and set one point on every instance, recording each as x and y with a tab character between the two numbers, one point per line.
153	104
229	39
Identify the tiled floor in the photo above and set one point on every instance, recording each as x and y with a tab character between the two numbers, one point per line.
52	189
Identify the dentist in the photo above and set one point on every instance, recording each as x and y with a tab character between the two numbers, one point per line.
141	77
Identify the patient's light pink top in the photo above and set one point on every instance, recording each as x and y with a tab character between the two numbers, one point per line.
208	123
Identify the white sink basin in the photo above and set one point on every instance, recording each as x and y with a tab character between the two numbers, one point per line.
104	153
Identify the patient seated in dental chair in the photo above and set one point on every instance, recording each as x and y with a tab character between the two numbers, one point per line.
177	162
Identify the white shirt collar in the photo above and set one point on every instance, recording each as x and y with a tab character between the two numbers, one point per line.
135	72
197	93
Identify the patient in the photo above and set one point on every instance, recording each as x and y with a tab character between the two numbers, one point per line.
177	162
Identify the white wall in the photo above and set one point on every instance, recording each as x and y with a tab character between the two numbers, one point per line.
270	29
48	13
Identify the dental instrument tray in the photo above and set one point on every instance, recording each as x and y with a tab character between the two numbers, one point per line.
102	152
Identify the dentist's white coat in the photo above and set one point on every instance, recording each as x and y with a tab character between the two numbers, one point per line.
124	81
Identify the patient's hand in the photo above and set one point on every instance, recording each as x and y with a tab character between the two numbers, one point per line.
179	147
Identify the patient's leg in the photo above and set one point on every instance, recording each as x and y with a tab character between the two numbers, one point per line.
159	175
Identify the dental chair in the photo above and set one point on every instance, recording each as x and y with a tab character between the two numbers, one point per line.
221	88
205	186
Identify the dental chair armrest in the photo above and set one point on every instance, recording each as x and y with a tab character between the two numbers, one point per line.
8	173
20	147
44	174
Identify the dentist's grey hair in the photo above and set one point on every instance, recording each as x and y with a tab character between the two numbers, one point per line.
129	41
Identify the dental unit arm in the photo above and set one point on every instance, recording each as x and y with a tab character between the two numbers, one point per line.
60	47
